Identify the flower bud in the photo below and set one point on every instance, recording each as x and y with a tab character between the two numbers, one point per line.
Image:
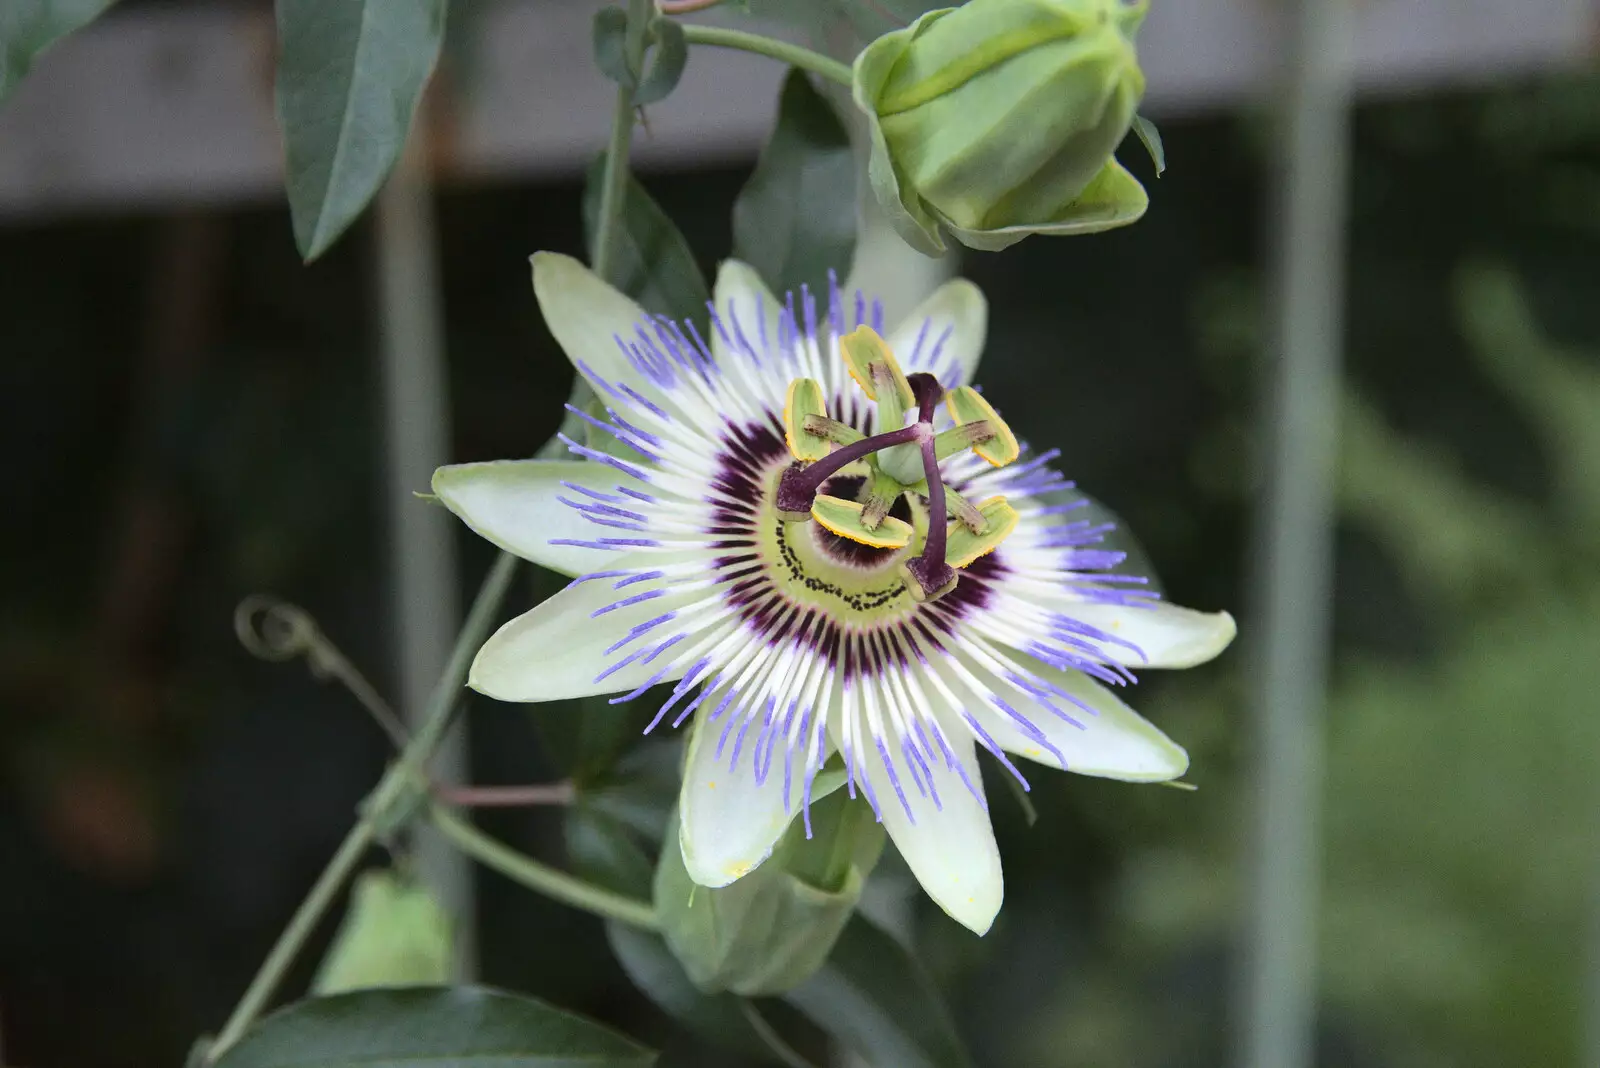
998	119
769	931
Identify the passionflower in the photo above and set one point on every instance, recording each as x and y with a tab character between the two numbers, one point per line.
836	552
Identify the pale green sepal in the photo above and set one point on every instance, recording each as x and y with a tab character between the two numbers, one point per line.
394	934
958	312
951	851
587	316
1113	199
558	649
904	209
516	505
1109	740
1166	635
771	930
740	294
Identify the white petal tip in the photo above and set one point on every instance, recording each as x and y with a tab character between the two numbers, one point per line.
976	912
716	872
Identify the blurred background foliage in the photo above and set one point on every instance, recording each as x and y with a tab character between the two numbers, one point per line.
191	417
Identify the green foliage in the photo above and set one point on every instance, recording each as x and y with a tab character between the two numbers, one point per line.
431	1028
876	998
764	933
795	220
654	264
394	934
602	848
29	27
349	78
669	53
1150	137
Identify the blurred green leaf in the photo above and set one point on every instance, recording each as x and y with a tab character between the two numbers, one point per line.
875	997
795	219
349	78
611	45
434	1027
653	264
28	27
601	848
668	57
651	967
394	934
641	789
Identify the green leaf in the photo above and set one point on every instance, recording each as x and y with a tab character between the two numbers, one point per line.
668	58
431	1027
1150	137
349	76
796	217
28	27
602	849
874	996
394	934
653	263
611	45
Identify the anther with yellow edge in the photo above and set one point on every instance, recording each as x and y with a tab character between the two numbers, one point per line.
900	460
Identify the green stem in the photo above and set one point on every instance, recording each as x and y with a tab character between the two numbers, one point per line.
551	882
294	936
614	185
406	770
783	51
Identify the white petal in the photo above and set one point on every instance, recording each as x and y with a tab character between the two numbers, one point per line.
558	650
1168	636
729	822
1114	741
951	850
586	316
959	307
514	503
741	294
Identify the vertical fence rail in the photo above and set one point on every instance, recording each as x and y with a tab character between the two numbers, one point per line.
422	564
1295	553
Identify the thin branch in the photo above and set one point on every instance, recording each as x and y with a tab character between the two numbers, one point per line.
536	875
555	793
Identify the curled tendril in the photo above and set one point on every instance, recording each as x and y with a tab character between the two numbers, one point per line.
278	631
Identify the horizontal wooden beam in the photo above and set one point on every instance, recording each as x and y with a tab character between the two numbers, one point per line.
156	107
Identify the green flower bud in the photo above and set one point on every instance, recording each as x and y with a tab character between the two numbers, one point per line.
998	119
770	930
394	934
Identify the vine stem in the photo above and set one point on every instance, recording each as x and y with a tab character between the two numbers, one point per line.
551	882
783	51
406	772
441	704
